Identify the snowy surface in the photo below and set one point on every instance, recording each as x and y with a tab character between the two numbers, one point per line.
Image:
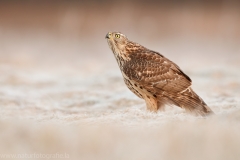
65	96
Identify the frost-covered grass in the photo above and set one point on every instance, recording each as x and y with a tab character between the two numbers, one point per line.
57	97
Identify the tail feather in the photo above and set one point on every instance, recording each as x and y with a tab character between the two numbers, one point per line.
191	102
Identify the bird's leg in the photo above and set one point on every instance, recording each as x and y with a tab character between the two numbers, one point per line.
161	105
151	103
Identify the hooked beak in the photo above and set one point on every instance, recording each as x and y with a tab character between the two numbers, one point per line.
107	36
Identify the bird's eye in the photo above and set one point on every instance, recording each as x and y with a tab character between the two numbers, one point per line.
117	35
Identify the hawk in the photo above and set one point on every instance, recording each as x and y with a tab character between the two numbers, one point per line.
153	77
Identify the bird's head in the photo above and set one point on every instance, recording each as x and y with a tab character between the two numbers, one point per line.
117	42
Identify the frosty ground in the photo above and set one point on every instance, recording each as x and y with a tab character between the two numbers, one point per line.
65	96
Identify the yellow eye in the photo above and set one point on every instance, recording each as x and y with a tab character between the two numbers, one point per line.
117	35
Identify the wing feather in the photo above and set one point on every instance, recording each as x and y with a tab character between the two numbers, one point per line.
157	72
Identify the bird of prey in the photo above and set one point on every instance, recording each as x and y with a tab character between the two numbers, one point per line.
153	77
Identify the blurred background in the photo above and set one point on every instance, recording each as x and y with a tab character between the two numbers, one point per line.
61	90
72	32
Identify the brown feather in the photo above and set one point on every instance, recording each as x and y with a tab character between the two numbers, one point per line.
155	78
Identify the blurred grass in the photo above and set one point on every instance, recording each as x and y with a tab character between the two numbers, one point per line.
154	19
73	31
